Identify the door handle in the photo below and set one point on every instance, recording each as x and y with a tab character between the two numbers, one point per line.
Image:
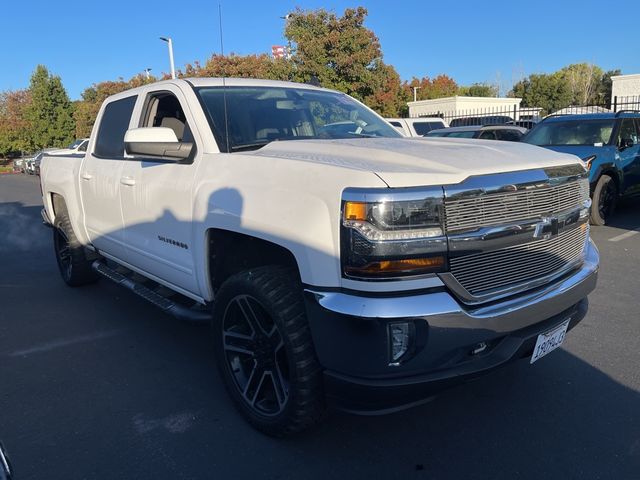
128	181
87	176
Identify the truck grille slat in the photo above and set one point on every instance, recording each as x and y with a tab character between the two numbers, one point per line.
500	208
482	272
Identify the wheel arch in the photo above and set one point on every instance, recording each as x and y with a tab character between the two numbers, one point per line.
231	252
606	169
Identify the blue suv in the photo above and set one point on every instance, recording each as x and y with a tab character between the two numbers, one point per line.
608	143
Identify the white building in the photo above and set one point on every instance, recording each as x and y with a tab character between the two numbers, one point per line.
455	107
626	88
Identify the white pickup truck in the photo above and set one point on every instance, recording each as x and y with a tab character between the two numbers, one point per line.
347	267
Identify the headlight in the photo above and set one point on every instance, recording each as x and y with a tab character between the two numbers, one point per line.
386	235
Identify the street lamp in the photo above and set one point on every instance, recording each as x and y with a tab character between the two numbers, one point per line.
170	43
146	72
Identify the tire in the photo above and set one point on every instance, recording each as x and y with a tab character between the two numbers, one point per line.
605	196
264	351
73	261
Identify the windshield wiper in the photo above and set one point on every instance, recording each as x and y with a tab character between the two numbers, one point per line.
249	146
366	135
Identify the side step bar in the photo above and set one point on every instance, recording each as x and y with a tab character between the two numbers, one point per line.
180	312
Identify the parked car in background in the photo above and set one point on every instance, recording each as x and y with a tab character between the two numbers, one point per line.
609	145
79	146
33	164
17	164
30	165
417	127
528	124
510	133
479	121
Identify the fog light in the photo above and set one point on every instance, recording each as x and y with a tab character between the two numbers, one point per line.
400	340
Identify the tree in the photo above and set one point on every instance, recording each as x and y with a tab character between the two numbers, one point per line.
441	86
86	110
343	55
479	90
50	112
582	80
603	90
14	126
243	66
576	84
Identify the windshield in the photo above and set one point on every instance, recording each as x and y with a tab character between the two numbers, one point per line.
257	116
571	132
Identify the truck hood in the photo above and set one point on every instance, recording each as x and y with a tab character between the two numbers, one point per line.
406	162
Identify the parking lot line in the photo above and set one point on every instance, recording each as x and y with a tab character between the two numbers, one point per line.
64	343
625	235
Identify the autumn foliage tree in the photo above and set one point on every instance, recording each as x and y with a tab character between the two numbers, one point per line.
241	66
427	88
342	54
14	126
86	109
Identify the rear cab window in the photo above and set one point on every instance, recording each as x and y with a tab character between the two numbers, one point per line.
422	128
113	126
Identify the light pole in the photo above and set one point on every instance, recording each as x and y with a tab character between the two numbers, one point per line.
170	43
415	94
146	72
286	19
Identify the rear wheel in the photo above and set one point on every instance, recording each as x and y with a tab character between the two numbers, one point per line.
265	353
73	262
605	196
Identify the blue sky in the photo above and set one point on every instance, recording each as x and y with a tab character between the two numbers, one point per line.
86	42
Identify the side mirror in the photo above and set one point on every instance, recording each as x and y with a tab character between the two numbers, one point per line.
158	142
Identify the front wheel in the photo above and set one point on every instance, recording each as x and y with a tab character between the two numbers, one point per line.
605	196
265	353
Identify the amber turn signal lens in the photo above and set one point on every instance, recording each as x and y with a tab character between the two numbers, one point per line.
355	211
411	266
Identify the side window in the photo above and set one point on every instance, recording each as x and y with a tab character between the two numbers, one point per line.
422	128
509	135
628	134
113	125
83	146
164	110
396	124
488	135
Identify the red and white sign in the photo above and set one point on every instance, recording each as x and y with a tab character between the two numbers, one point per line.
278	51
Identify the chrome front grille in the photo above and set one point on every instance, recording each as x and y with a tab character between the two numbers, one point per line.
474	211
491	271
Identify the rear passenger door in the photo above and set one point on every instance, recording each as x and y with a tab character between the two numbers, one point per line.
100	178
628	143
157	198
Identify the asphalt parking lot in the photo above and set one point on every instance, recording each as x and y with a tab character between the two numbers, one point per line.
96	383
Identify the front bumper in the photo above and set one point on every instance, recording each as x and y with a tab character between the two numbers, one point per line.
351	340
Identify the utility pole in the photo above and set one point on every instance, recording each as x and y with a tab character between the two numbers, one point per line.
415	93
170	43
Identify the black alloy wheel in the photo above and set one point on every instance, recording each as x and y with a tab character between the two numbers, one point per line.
255	355
265	351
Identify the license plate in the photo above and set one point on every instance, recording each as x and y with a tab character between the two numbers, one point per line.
549	341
